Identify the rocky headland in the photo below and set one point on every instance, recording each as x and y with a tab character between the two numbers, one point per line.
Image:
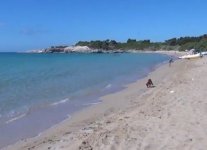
74	49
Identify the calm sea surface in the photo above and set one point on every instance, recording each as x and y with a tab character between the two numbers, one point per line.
34	83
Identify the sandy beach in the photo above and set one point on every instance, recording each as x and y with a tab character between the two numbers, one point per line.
170	116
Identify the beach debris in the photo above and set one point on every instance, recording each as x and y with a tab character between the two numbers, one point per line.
172	92
88	130
31	147
108	121
85	146
66	133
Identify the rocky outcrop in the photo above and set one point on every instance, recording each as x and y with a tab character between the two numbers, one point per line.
74	49
77	49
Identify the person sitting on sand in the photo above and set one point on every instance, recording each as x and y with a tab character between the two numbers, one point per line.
149	83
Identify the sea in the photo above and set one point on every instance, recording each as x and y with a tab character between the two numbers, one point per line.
38	91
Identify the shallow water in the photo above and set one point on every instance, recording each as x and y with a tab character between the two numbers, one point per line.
47	88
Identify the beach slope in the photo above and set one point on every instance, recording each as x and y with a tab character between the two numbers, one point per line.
172	115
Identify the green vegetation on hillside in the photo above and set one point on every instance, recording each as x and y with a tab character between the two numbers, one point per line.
182	43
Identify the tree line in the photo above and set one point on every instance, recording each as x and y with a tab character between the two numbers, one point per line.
182	43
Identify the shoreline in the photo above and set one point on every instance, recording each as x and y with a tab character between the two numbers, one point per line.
22	127
59	111
80	119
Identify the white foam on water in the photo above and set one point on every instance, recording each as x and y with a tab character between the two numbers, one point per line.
95	103
15	118
108	86
39	134
60	102
69	116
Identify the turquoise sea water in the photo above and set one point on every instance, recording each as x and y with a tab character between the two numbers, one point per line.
33	82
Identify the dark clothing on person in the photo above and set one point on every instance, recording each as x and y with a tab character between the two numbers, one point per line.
170	61
149	83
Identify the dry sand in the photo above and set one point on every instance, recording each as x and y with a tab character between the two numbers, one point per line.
171	116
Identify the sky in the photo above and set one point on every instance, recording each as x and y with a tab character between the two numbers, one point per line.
35	24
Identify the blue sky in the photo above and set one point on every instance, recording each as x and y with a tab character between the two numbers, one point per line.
34	24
